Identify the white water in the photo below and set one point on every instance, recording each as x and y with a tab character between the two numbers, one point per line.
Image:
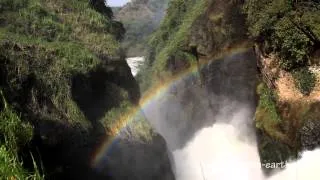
216	153
134	64
306	168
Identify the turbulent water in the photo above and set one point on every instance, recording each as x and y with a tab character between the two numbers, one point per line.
209	130
134	63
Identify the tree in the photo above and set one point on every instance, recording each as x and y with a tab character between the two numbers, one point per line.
290	29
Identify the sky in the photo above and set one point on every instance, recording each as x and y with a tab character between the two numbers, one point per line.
117	2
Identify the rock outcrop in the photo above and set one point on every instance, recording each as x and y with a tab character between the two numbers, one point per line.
131	158
310	135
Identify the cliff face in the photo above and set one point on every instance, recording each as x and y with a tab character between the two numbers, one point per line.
296	110
130	157
288	110
62	72
210	26
221	25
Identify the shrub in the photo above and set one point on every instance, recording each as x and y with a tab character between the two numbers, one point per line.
304	80
292	46
290	28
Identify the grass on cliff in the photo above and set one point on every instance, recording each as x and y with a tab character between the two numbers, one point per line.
14	134
130	120
170	39
48	64
44	46
267	117
209	25
58	20
174	31
46	43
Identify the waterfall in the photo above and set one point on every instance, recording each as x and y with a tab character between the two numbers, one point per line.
134	63
210	131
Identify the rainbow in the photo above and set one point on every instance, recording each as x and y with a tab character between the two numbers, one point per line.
149	98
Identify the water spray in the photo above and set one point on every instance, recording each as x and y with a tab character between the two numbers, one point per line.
203	176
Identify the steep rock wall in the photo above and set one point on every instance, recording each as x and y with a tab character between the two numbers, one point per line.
62	71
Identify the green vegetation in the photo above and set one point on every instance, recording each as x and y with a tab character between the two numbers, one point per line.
267	102
141	130
48	44
267	116
290	29
13	134
135	125
11	167
170	40
45	47
174	31
274	144
304	80
273	151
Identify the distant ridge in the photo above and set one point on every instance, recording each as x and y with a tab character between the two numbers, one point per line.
140	18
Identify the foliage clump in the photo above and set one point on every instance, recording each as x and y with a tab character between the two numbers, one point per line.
267	102
289	29
305	80
14	134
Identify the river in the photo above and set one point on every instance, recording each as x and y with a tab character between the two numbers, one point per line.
134	63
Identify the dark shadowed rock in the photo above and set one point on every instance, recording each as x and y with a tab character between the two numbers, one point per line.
132	157
310	135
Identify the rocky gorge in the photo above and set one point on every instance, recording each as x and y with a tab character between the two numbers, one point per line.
223	86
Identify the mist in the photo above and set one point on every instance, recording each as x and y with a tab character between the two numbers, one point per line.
225	152
221	151
210	131
305	168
